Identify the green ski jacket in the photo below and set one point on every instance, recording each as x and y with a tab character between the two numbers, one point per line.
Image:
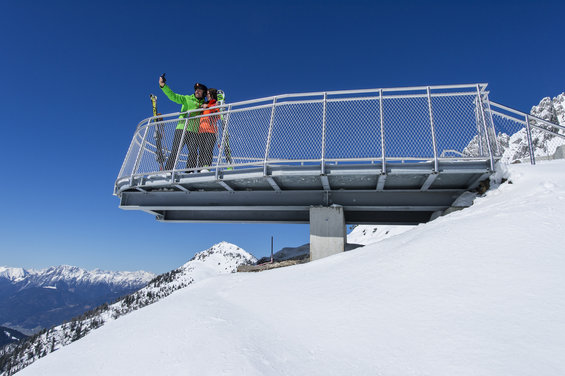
188	102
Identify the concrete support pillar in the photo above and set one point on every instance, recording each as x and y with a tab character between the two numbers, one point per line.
327	231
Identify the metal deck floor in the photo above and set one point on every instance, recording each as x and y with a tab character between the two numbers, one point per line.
406	193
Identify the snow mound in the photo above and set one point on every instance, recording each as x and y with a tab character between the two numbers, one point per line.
477	292
223	257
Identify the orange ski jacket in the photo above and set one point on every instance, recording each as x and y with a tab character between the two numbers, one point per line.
208	123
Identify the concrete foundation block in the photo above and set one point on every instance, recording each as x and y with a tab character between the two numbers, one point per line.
327	231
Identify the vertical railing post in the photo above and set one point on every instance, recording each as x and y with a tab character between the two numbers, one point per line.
128	154
436	164
224	138
269	136
324	109
530	143
383	156
138	158
482	112
479	131
181	145
497	142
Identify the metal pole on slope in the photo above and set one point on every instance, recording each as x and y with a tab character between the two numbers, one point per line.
271	249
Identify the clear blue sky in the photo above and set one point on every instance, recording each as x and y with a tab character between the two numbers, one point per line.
76	78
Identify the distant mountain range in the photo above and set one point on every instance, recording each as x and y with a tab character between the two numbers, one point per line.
35	299
221	258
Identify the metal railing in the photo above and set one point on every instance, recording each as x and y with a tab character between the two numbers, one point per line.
525	137
392	125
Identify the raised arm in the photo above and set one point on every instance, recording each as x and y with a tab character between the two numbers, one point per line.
177	98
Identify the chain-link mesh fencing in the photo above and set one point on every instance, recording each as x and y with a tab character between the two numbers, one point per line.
516	140
243	135
417	124
458	123
352	129
546	139
407	128
512	137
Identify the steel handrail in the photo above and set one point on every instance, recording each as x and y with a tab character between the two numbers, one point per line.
342	92
523	114
279	100
286	111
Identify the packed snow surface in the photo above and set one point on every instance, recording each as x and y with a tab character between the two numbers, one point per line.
478	292
367	234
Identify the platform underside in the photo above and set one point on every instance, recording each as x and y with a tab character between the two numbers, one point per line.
404	193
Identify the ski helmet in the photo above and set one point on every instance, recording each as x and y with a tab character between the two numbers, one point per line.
200	86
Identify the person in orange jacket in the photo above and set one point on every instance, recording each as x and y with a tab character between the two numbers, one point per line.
208	130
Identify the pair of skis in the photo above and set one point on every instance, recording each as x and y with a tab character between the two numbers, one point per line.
158	134
227	149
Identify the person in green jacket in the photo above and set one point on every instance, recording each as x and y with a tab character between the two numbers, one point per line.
190	139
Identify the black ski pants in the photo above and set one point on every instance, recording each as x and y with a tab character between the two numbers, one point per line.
206	143
191	141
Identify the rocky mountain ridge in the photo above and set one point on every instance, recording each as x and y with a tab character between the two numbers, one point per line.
512	137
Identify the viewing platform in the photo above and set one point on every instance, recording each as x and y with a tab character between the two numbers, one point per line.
381	156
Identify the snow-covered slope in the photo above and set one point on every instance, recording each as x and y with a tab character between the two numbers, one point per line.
219	259
477	292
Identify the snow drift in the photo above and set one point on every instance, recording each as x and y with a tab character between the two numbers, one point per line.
478	292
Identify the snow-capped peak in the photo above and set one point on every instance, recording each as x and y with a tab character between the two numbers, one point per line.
223	256
552	110
13	274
